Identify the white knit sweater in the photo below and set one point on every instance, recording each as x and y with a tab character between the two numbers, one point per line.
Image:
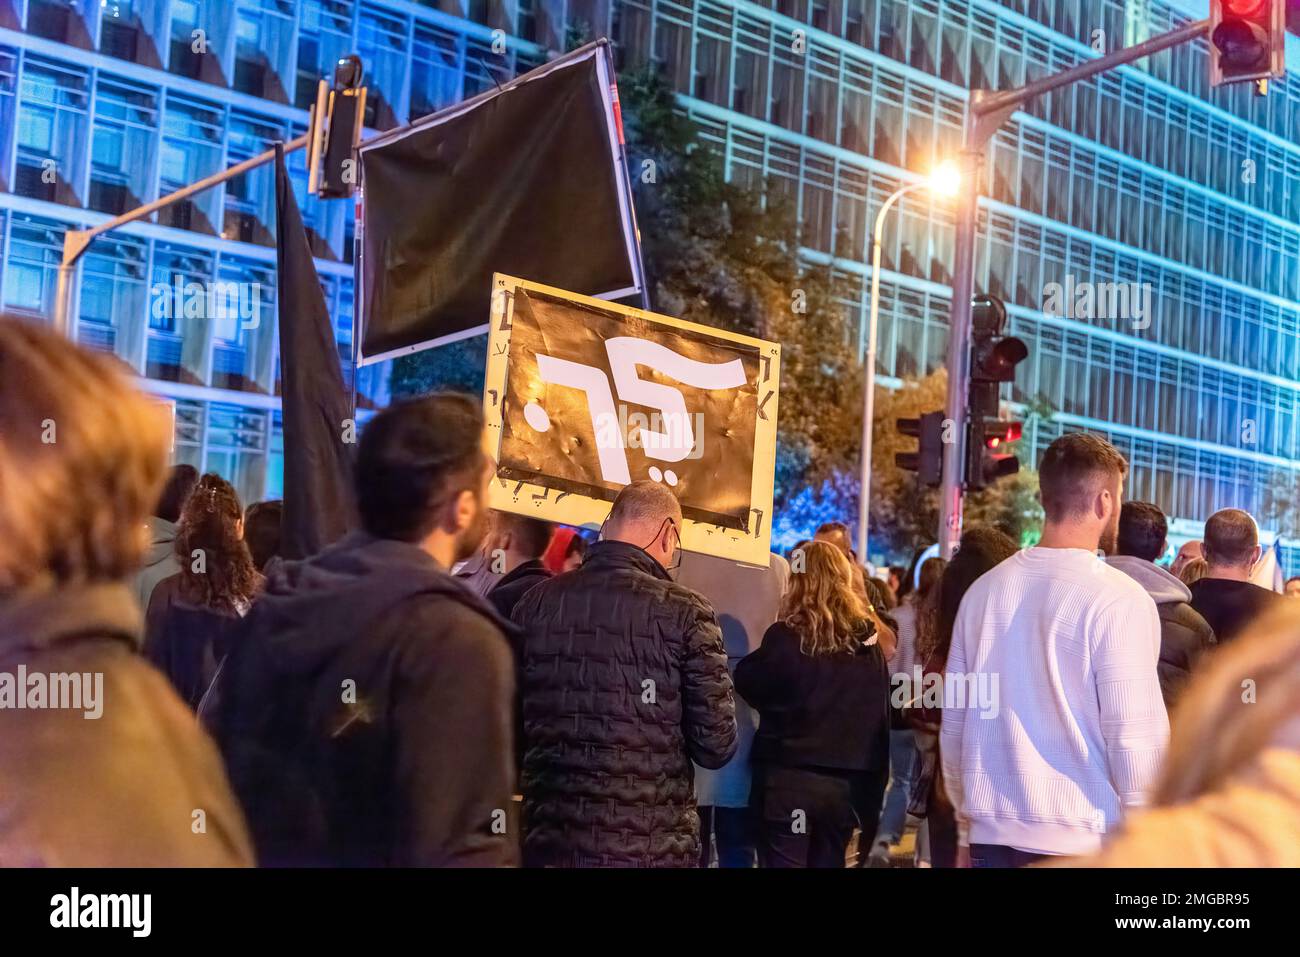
1070	645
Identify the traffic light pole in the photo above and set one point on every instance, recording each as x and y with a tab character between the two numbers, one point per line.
985	114
76	241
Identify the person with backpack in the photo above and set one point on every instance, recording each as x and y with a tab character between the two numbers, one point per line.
365	708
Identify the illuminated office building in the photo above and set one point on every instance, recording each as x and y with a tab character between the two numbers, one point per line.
1144	177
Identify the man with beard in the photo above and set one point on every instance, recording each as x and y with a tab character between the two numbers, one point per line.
1076	729
365	710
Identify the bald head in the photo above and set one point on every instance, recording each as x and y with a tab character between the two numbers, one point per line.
648	515
1187	554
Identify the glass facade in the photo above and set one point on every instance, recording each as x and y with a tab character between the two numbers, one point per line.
1143	184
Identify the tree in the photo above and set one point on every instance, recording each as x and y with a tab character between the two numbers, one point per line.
904	513
726	254
456	367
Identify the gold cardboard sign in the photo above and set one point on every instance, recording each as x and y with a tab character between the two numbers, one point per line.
583	396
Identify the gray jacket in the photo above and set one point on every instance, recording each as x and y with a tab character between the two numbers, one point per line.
159	560
746	600
1184	634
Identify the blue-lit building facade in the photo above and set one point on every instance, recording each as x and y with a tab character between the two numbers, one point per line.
1143	176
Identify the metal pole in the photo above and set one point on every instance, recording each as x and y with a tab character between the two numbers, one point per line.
869	370
986	112
63	297
76	241
959	317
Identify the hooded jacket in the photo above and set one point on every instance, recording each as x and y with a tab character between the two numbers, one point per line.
116	788
159	559
1184	634
364	711
624	683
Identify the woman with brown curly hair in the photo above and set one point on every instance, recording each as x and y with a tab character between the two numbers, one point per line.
192	614
821	687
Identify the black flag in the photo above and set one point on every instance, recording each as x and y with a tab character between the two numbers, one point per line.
526	180
319	427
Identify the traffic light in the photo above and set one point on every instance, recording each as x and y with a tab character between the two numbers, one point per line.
985	462
1247	40
335	130
927	460
994	358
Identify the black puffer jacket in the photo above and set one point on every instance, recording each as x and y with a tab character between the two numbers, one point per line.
624	683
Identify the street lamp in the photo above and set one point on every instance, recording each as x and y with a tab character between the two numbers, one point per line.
944	180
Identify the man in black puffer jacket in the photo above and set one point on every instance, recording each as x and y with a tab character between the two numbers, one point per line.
624	684
1184	634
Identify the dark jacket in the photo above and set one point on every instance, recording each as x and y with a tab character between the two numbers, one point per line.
186	641
1230	606
504	596
823	712
1184	634
118	790
515	584
365	714
625	683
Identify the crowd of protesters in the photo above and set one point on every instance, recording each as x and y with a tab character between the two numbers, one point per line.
451	686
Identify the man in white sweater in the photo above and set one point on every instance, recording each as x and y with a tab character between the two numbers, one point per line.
1068	645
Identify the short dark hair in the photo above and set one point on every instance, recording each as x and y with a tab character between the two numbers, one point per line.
1143	531
1230	537
262	530
411	457
528	535
179	486
1072	469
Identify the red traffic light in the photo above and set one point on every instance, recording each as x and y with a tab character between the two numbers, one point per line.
1000	433
1247	40
1244	8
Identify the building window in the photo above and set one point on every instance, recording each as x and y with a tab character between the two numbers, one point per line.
51	130
122	146
32	265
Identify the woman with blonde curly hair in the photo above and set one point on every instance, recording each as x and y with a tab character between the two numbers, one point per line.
821	686
1229	795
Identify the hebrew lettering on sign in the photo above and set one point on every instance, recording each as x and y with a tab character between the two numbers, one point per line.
584	396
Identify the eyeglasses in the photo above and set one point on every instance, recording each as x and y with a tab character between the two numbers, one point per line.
676	550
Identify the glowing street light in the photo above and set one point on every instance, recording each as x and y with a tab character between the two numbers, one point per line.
944	181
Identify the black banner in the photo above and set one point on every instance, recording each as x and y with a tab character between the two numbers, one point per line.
521	180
